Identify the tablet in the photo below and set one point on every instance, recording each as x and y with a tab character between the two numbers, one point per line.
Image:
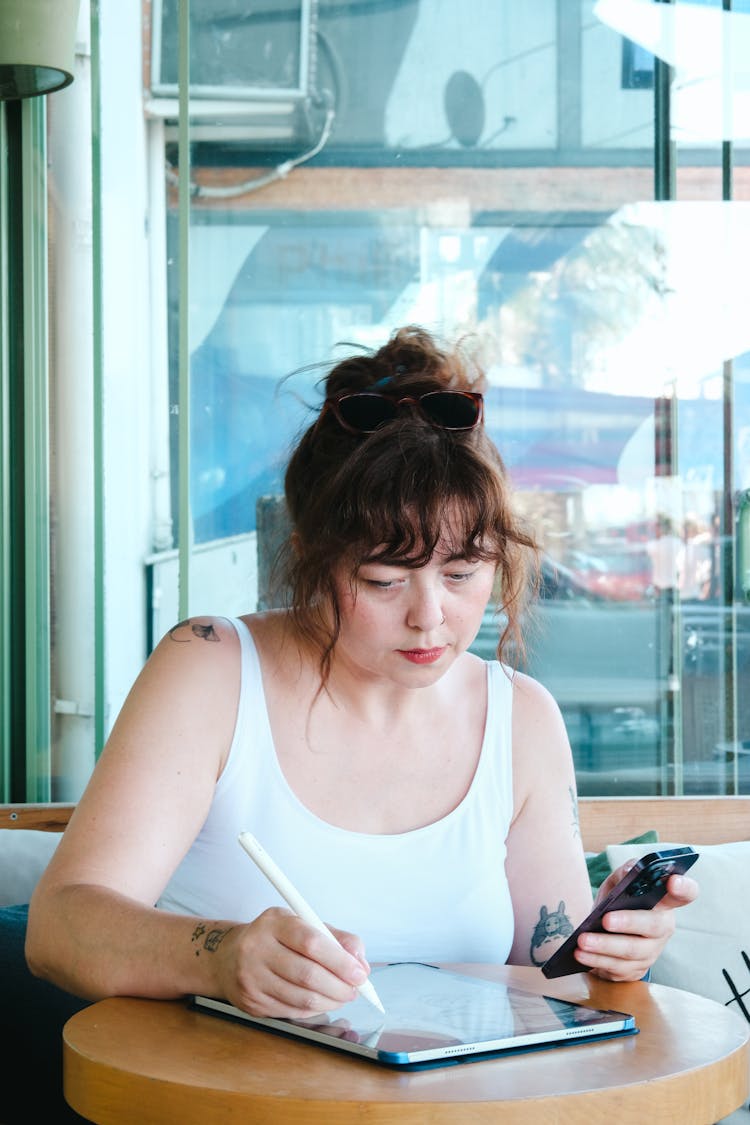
435	1015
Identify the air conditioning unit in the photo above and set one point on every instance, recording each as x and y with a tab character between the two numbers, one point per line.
252	69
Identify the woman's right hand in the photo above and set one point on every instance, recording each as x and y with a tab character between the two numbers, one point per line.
280	966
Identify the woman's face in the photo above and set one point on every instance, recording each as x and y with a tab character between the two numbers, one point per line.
409	625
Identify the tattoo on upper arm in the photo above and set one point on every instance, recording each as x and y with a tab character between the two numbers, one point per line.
203	632
211	938
576	820
553	925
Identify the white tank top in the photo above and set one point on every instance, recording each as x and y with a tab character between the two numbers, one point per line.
437	893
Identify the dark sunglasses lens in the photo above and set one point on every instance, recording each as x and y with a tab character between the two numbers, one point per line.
451	410
366	412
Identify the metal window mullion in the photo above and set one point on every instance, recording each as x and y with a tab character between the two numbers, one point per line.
100	714
665	190
184	543
36	452
664	147
5	520
727	146
569	85
728	664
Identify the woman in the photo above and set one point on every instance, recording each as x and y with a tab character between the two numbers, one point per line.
417	796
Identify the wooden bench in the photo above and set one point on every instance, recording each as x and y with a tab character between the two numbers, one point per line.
603	820
679	820
42	817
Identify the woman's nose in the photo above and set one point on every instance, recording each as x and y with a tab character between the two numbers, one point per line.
425	611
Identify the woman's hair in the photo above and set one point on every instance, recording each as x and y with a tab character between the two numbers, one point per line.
394	494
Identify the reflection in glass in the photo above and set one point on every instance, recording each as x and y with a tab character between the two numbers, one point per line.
491	177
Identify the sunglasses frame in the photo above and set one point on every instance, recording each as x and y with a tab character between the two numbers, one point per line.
414	401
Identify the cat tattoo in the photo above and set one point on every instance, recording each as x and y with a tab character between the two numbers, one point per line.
552	925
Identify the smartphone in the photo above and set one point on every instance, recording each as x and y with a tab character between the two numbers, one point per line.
643	886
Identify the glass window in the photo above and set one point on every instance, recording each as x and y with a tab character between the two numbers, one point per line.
565	182
495	176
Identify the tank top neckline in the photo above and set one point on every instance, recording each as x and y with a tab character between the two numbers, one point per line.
251	677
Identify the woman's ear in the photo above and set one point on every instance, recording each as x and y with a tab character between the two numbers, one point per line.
295	543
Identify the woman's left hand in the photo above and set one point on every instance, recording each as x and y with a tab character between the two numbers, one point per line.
633	939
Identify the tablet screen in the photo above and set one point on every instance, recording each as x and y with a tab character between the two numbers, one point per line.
433	1013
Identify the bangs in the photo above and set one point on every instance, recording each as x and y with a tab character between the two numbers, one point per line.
441	496
410	538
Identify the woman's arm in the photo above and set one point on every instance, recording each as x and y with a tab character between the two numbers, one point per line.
546	866
546	863
93	928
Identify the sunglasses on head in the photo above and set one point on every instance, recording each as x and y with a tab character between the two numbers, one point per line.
362	412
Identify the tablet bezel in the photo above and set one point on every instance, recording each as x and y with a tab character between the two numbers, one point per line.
388	1046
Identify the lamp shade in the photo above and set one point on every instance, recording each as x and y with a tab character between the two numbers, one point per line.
37	46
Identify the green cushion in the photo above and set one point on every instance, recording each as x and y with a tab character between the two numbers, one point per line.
598	864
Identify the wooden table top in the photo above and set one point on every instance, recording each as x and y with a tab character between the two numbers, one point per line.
158	1061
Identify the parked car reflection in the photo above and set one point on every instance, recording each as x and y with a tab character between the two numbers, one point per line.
641	686
622	575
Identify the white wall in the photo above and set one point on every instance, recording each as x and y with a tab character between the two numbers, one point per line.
72	423
126	346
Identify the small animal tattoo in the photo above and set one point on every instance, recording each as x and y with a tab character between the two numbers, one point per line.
552	925
212	938
203	632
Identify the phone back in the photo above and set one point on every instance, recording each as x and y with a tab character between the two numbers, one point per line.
643	886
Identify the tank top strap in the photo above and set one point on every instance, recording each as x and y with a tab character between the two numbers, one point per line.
252	713
498	735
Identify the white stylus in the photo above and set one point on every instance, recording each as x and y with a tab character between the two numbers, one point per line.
295	900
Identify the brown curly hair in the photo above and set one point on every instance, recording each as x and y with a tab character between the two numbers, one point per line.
396	493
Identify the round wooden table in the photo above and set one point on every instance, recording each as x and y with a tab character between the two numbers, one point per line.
158	1061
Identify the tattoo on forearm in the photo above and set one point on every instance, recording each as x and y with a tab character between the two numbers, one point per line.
212	939
203	632
576	820
553	925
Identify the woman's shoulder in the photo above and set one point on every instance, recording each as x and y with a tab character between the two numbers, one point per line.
200	636
215	642
528	692
201	646
538	724
540	740
532	701
272	631
217	629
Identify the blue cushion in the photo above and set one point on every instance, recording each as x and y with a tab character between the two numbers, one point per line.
34	1013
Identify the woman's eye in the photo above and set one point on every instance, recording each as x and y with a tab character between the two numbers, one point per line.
380	583
461	575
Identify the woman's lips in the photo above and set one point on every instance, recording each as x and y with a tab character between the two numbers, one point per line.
422	655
